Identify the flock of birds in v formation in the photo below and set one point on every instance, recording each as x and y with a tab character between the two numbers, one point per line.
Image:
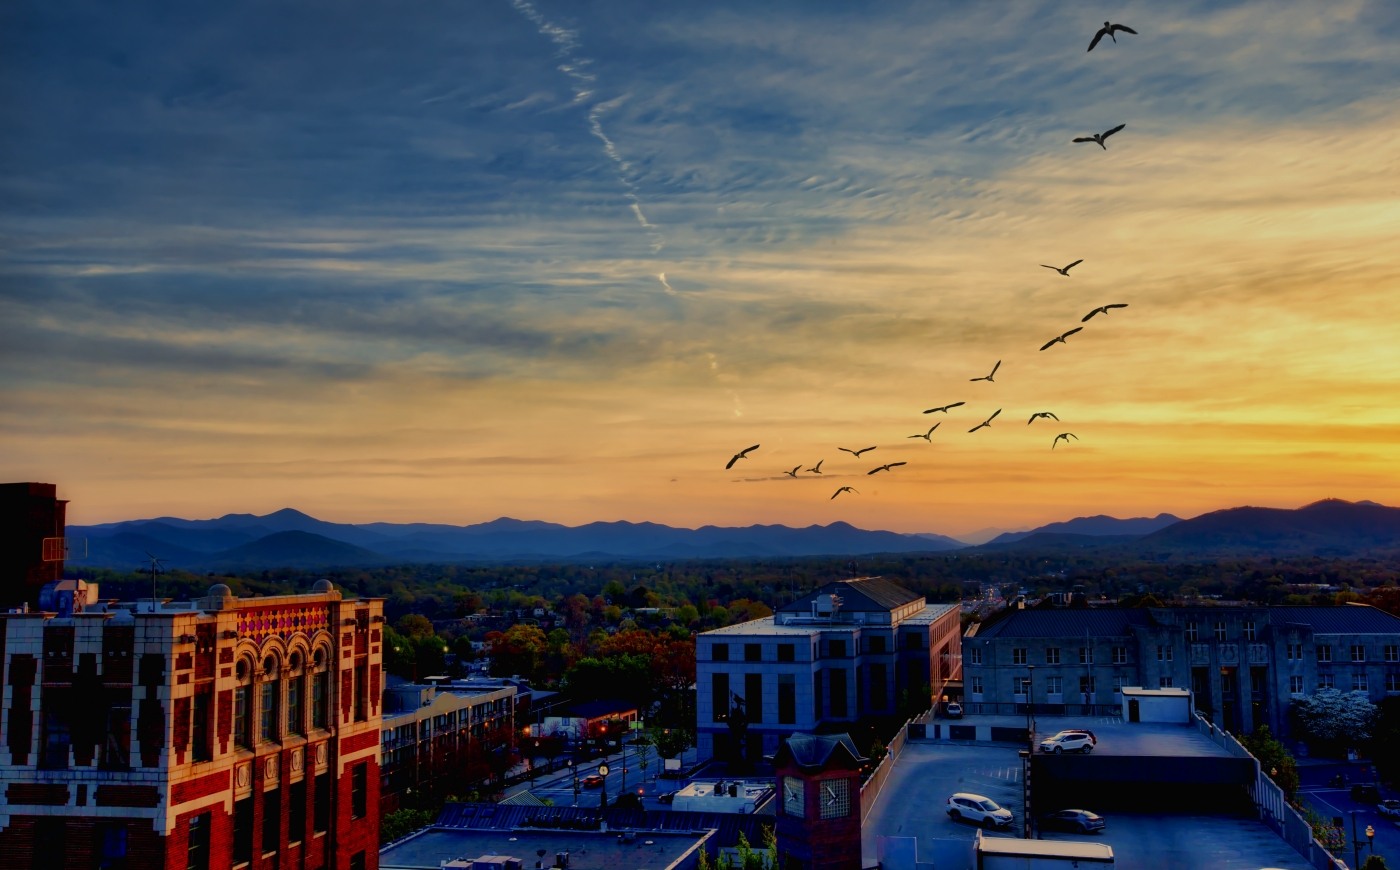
1108	29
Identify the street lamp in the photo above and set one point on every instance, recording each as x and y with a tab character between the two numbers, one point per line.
603	798
1030	705
1356	844
1025	793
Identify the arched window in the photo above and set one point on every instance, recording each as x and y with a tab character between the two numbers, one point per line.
243	705
296	694
267	701
320	690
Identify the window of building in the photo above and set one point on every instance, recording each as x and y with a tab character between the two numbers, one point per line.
113	839
1295	685
753	652
1054	685
1164	653
357	860
1392	653
359	790
1164	682
1392	682
1120	655
1086	685
296	813
787	699
877	684
1249	630
753	697
838	693
719	652
1086	655
361	693
1052	655
267	710
836	798
272	821
296	705
837	648
242	720
1358	652
57	740
1018	655
787	652
1326	681
1258	652
321	804
1358	681
200	733
976	685
974	655
1193	631
243	831
1220	631
1117	685
1022	685
719	697
320	699
1324	653
1294	651
197	843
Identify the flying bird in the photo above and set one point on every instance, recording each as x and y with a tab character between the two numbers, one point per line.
1043	414
1065	270
1099	137
987	378
986	422
844	489
1108	30
926	435
856	453
1060	339
886	467
793	473
1063	436
816	469
945	408
742	454
1103	309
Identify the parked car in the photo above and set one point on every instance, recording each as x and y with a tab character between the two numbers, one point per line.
1079	821
666	797
979	810
1389	808
593	780
1068	741
953	710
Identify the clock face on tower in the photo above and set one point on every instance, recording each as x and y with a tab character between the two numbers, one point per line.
836	798
794	796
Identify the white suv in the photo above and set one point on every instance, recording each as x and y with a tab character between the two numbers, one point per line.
1071	741
979	810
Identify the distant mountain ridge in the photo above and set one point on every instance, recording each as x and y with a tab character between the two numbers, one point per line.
291	538
1099	525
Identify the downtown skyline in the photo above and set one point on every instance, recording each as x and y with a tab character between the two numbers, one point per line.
457	261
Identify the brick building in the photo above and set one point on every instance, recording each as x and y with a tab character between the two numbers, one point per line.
32	545
850	650
1243	664
215	733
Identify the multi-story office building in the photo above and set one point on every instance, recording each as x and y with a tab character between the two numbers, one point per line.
32	544
851	650
1243	665
215	733
442	739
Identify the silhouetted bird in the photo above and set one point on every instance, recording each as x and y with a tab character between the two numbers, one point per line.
793	473
1099	137
1045	414
1065	436
1108	30
816	469
886	467
987	378
1103	309
986	422
1065	270
856	453
945	408
844	489
926	435
1060	339
742	454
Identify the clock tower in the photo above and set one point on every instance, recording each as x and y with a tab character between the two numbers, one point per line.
819	802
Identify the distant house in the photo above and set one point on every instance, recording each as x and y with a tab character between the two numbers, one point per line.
589	720
851	649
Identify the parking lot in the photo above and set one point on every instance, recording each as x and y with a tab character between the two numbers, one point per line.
913	801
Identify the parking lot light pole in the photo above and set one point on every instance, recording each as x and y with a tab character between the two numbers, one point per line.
1356	844
1025	793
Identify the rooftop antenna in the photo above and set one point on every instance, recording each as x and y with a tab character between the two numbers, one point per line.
155	570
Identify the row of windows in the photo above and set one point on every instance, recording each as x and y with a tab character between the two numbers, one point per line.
281	708
753	652
1087	685
1258	651
875	644
1021	655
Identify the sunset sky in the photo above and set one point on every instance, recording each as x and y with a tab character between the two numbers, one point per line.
450	261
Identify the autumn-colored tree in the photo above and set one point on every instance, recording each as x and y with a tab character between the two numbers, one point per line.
520	649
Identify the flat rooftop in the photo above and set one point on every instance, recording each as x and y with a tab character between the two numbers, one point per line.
588	850
1114	736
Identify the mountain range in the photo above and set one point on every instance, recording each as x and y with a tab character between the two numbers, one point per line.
290	538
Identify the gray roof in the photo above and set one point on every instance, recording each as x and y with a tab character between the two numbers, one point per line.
727	826
810	751
861	594
1345	619
1077	622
